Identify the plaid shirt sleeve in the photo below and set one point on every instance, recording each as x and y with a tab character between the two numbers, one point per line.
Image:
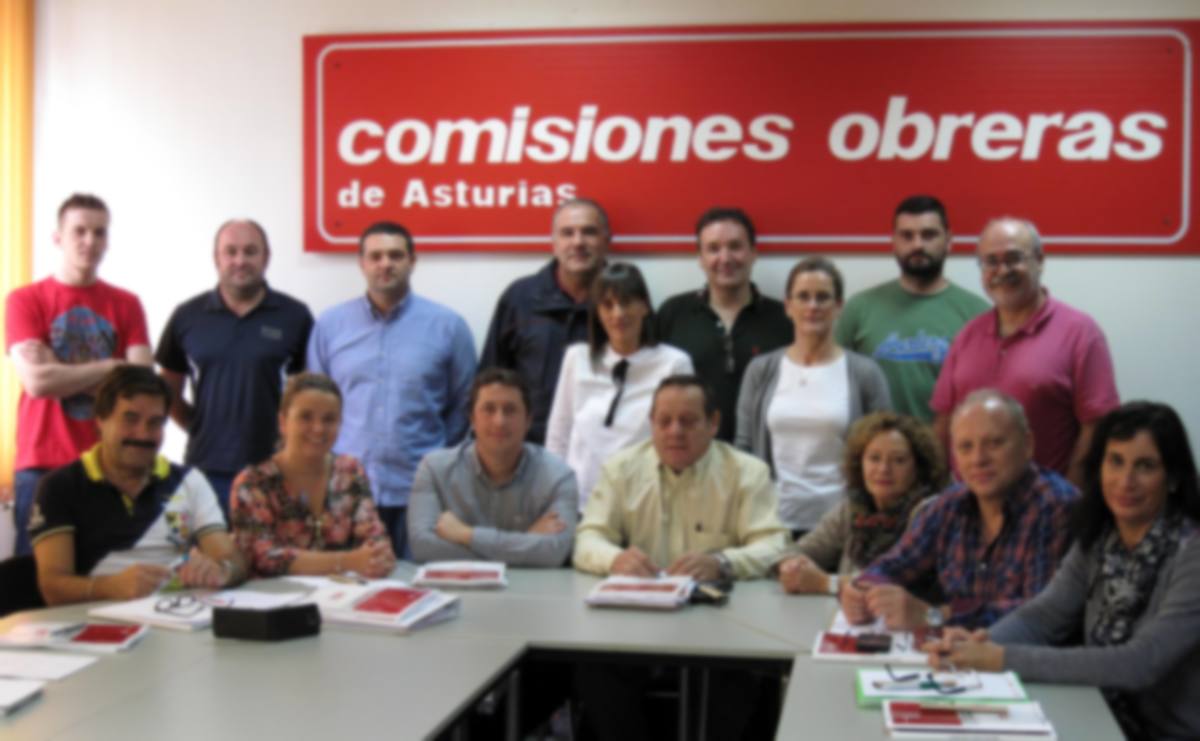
1027	560
1048	540
914	557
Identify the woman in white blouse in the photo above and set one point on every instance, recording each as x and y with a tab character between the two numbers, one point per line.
602	402
797	403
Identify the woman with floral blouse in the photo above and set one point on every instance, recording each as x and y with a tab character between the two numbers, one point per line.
304	510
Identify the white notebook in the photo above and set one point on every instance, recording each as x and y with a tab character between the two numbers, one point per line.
89	637
41	665
925	720
16	692
656	593
181	611
386	604
189	610
921	683
462	575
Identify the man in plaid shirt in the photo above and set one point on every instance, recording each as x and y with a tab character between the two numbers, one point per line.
983	546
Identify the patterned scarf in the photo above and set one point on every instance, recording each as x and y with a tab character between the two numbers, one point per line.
873	531
1125	582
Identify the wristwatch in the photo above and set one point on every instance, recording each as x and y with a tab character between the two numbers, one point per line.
724	565
934	617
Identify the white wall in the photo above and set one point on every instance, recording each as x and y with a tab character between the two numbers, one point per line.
183	114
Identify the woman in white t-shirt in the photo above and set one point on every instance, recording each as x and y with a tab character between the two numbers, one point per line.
602	402
796	404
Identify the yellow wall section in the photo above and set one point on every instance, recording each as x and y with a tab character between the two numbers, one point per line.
16	174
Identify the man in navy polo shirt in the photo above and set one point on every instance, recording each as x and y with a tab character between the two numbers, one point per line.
234	343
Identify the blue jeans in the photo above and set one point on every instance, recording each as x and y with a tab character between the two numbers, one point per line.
395	521
25	484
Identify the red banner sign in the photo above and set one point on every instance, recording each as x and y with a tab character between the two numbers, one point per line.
817	131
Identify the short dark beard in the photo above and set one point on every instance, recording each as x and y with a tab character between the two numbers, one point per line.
925	274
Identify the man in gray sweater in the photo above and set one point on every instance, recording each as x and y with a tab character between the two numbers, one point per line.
494	497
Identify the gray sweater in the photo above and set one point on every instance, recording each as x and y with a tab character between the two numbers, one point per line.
828	544
1159	665
868	393
453	479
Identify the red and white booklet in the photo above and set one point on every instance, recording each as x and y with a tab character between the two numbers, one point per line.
386	604
656	593
104	638
940	720
462	575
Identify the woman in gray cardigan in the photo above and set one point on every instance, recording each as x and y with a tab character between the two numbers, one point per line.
1131	583
892	465
796	404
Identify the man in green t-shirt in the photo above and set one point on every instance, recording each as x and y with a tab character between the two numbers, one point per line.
907	324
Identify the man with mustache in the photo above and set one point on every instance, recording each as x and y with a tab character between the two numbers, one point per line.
539	315
907	324
233	344
112	524
405	366
1049	356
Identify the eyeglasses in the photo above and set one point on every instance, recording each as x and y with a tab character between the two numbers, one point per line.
180	605
954	684
1011	259
819	298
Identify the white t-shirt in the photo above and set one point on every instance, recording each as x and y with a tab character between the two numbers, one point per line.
575	430
191	511
807	418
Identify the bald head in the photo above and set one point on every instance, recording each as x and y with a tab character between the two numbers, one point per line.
1021	231
244	223
1010	263
991	442
241	254
992	400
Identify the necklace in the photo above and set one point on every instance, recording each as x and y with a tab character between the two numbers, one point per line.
302	493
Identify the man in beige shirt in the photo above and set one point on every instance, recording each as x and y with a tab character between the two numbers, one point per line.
682	502
687	504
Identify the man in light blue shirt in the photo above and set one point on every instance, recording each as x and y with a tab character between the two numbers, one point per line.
404	365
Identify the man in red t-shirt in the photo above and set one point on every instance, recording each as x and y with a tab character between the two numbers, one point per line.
64	333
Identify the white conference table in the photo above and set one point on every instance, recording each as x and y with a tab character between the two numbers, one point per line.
360	683
820	704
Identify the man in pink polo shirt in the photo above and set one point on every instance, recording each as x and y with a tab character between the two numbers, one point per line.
1049	356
